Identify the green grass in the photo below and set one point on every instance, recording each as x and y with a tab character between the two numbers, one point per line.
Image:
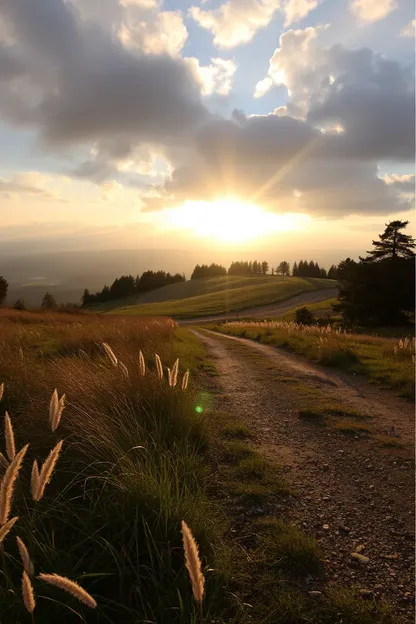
319	309
370	356
220	295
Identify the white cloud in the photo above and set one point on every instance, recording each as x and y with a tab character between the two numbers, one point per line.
28	183
295	10
236	21
165	32
368	11
263	86
216	77
409	30
404	182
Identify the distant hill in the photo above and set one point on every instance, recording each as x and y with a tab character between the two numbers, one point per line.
217	295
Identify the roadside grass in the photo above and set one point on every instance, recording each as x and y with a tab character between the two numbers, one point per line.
375	358
138	457
389	441
349	427
256	291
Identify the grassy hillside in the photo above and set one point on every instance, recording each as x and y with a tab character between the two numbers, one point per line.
219	295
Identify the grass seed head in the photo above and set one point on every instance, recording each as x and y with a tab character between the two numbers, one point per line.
159	367
9	435
4	530
193	562
71	587
142	364
110	354
27	592
24	556
1	390
7	485
185	380
47	470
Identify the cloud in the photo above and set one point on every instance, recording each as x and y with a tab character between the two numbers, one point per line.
28	183
295	10
165	33
369	11
236	21
409	30
80	85
405	182
367	95
216	77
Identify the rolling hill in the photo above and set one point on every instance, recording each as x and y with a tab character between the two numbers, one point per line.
198	298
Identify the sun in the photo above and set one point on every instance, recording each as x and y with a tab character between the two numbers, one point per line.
229	219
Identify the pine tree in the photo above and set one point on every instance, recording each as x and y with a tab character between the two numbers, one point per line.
393	243
4	285
295	270
48	302
19	305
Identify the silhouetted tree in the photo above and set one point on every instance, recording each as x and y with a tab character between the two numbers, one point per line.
4	285
332	273
19	305
295	271
205	270
304	316
48	302
284	268
264	267
393	243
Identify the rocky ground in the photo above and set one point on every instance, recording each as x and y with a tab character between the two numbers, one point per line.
352	493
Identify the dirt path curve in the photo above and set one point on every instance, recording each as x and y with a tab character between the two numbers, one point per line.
272	310
350	492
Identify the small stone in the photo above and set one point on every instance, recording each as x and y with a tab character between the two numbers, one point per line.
371	487
359	548
366	593
344	528
325	467
325	527
359	558
315	594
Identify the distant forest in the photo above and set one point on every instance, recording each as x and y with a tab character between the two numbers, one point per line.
127	285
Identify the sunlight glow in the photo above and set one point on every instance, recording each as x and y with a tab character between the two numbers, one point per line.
230	220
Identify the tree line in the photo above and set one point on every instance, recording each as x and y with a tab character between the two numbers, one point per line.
127	285
303	268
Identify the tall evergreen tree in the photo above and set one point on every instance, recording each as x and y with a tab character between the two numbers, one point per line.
392	243
4	285
295	270
48	302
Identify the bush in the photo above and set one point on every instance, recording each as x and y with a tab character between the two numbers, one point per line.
304	316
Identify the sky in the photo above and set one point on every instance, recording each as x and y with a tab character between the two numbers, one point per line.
186	123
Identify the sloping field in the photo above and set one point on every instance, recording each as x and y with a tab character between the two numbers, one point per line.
240	294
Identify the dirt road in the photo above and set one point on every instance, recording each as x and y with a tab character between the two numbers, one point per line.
352	493
272	310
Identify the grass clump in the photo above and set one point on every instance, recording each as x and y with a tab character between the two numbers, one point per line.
313	416
389	441
344	605
350	427
288	549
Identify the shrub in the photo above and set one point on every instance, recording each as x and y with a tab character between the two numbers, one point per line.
304	316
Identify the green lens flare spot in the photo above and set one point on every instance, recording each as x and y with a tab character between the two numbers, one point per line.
199	409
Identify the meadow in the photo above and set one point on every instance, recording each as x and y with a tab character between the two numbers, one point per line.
126	447
218	295
387	362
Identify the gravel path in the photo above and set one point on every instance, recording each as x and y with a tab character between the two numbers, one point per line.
353	495
274	309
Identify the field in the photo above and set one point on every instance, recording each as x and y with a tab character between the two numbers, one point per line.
140	454
383	361
218	295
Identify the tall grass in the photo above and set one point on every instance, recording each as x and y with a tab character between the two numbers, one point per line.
383	361
99	501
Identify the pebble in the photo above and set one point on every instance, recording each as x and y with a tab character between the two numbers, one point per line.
360	558
315	594
366	593
325	527
343	528
359	548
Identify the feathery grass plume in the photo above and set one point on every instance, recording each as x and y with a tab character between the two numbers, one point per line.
24	556
193	562
47	470
169	375
53	405
6	528
124	369
8	430
142	364
55	417
174	374
159	366
34	481
7	484
27	592
1	391
110	354
3	461
185	380
69	586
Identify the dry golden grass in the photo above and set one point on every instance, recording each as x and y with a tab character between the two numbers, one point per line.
193	563
7	485
69	586
27	592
